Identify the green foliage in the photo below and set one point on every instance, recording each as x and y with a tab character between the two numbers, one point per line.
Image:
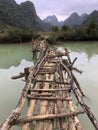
92	30
21	16
64	28
16	36
85	33
55	29
36	36
51	40
80	34
40	38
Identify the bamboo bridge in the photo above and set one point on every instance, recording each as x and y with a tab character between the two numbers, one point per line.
49	89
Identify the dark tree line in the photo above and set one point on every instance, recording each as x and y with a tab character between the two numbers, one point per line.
82	33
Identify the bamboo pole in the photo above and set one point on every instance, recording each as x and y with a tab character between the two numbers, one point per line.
50	98
52	81
43	106
59	104
50	90
18	76
31	108
75	118
47	117
70	125
74	78
17	111
81	102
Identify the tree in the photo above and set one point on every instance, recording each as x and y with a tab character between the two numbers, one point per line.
92	30
55	29
64	28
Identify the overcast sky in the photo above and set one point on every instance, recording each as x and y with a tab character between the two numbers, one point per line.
62	8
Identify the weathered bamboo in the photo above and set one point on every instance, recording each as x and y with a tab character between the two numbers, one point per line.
30	110
48	124
17	111
43	105
70	125
46	117
50	83
58	121
39	95
75	118
43	109
75	80
49	98
43	73
40	62
50	90
81	102
55	56
85	108
18	76
79	71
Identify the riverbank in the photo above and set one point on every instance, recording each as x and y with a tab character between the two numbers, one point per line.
23	36
16	36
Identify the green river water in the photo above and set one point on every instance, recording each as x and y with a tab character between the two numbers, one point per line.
15	57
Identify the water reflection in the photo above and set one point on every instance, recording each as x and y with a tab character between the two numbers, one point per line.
87	54
10	90
12	54
89	48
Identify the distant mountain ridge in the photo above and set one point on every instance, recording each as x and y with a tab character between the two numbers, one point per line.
75	20
24	16
92	16
21	16
52	19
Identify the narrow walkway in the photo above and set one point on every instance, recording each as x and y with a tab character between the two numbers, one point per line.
49	89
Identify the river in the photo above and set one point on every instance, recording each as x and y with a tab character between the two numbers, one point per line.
15	57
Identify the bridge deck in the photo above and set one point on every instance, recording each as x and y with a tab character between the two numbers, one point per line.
50	87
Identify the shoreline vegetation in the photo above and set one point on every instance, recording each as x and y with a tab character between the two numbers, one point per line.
15	35
62	34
